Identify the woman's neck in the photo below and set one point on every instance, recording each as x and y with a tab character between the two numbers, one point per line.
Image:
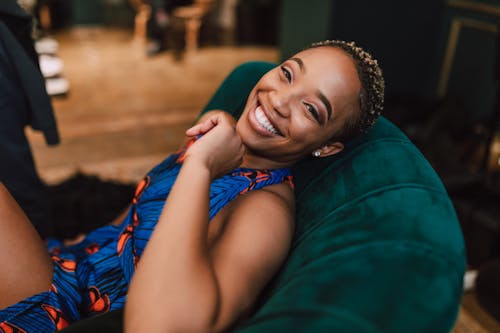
253	161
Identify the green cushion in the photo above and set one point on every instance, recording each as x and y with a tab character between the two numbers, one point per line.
377	246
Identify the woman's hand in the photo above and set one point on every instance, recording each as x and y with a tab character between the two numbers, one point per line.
220	149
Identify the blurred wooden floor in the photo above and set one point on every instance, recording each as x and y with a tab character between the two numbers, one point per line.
473	319
125	112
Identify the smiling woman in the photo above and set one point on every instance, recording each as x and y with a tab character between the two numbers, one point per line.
302	106
201	269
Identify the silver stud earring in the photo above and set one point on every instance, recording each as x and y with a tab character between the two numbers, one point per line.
316	153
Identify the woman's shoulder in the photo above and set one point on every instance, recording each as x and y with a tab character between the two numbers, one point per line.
268	208
283	191
272	203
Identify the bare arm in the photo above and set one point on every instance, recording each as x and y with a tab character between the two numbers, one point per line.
251	250
183	285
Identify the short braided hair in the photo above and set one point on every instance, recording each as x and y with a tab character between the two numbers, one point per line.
371	97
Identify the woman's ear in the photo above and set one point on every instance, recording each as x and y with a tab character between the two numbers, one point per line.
331	148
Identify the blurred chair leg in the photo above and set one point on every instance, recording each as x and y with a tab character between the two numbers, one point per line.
45	18
192	34
140	23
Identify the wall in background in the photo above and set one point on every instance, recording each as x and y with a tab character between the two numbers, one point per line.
302	23
469	56
66	13
428	49
404	36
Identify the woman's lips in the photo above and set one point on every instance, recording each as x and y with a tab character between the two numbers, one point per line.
262	119
261	122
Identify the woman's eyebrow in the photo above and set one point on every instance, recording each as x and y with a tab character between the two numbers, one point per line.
321	96
300	63
325	101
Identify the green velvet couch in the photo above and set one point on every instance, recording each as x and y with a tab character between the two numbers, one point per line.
377	247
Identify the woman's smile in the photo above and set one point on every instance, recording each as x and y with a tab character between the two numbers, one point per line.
261	123
264	121
299	107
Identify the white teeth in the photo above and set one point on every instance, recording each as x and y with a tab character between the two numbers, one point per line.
262	119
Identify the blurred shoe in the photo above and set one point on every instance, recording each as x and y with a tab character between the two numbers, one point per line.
50	66
57	86
46	45
470	280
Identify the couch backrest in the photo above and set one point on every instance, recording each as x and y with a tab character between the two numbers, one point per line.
377	246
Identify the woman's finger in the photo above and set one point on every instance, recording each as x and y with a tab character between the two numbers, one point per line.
203	127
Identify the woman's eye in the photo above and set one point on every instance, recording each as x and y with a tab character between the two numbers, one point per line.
313	111
287	74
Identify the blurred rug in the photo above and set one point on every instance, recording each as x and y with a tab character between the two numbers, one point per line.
85	202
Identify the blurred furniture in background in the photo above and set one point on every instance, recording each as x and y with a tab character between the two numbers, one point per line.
226	21
189	19
142	15
258	20
469	88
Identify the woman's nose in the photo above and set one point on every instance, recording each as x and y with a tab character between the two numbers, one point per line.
280	101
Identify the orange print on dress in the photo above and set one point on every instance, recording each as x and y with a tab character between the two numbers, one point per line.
254	176
182	153
135	219
5	327
65	264
140	189
124	237
91	248
56	316
98	303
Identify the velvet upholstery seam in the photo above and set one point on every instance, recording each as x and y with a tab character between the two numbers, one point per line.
356	200
403	246
343	158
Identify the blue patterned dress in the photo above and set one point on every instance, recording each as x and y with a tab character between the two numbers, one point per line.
92	277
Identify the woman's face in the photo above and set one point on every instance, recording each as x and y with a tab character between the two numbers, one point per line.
299	106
